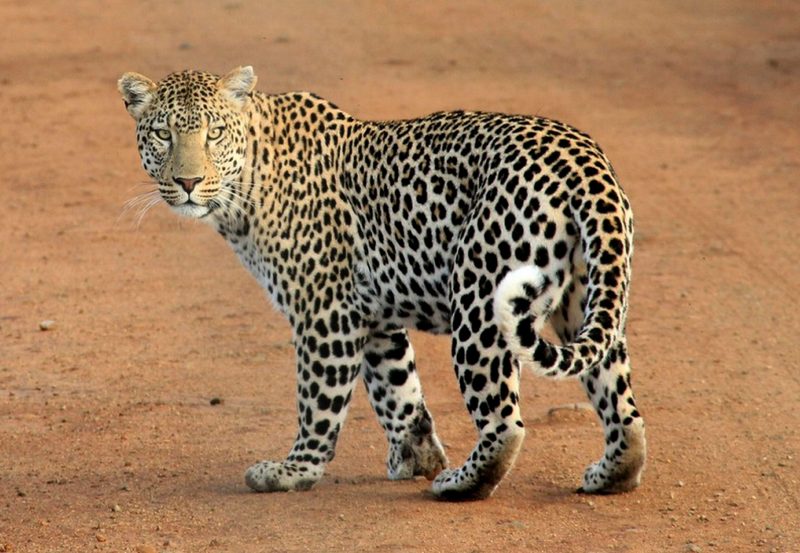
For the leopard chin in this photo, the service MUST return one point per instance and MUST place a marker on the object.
(191, 210)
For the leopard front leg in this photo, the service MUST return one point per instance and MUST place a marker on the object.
(329, 358)
(395, 393)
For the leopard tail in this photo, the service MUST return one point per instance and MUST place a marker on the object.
(525, 298)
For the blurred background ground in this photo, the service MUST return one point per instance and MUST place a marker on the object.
(108, 440)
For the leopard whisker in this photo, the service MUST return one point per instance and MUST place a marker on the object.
(150, 184)
(141, 197)
(228, 204)
(247, 202)
(147, 207)
(237, 195)
(139, 200)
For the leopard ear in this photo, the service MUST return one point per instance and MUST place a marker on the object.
(137, 93)
(237, 84)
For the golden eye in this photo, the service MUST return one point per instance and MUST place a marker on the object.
(215, 133)
(163, 134)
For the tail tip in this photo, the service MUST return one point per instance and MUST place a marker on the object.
(513, 286)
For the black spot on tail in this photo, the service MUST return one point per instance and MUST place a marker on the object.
(525, 332)
(545, 355)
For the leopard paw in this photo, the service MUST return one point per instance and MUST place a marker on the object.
(271, 476)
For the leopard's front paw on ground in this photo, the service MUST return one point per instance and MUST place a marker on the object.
(271, 476)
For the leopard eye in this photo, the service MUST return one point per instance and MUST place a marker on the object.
(215, 133)
(163, 134)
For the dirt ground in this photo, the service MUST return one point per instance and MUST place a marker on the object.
(108, 437)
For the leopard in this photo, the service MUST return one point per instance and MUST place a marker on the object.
(479, 225)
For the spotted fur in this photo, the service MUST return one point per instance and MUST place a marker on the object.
(480, 225)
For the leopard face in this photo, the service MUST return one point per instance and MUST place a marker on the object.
(191, 135)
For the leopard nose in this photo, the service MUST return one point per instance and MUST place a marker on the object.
(188, 184)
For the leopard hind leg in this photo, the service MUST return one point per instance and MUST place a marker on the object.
(608, 387)
(395, 393)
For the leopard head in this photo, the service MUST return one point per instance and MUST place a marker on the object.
(191, 133)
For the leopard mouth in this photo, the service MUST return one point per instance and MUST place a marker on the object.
(192, 209)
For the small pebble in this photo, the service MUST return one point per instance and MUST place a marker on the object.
(101, 538)
(693, 547)
(47, 325)
(145, 549)
(216, 401)
(116, 508)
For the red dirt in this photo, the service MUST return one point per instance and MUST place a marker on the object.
(108, 441)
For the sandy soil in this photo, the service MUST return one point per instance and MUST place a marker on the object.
(108, 439)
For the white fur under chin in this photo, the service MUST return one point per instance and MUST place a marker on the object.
(191, 211)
